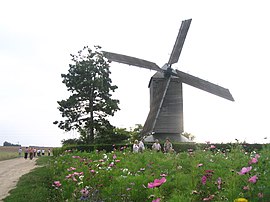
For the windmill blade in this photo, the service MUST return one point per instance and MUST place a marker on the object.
(204, 85)
(131, 61)
(179, 42)
(155, 108)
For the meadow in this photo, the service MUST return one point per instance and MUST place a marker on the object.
(207, 174)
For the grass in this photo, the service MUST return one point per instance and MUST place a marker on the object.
(34, 186)
(7, 152)
(7, 155)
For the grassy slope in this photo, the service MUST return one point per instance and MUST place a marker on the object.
(33, 187)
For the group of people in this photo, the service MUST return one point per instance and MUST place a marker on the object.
(32, 152)
(138, 146)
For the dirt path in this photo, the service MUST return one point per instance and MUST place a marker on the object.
(10, 172)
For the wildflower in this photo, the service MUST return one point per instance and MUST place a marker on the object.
(219, 182)
(157, 182)
(56, 184)
(257, 156)
(117, 160)
(76, 157)
(204, 179)
(245, 170)
(260, 195)
(253, 161)
(199, 165)
(69, 176)
(246, 188)
(156, 200)
(253, 179)
(241, 200)
(71, 168)
(209, 198)
(85, 194)
(114, 156)
(81, 177)
(163, 175)
(128, 189)
(92, 171)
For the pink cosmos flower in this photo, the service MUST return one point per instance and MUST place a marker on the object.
(157, 182)
(209, 198)
(204, 179)
(253, 179)
(156, 200)
(76, 157)
(257, 156)
(163, 175)
(246, 188)
(92, 171)
(84, 192)
(253, 161)
(114, 156)
(199, 165)
(57, 183)
(117, 160)
(69, 176)
(245, 170)
(71, 168)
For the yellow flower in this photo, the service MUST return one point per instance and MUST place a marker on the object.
(241, 200)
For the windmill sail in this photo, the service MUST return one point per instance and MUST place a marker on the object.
(131, 61)
(204, 85)
(179, 42)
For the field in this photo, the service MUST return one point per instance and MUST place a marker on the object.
(202, 175)
(8, 152)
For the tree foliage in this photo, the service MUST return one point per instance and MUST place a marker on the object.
(90, 102)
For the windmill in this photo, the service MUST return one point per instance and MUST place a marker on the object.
(165, 118)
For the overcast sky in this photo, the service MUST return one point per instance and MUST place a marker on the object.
(227, 44)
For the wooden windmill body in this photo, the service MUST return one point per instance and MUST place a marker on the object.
(165, 118)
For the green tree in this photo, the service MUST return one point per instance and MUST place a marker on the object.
(90, 102)
(135, 133)
(118, 135)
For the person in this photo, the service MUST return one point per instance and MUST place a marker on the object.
(49, 152)
(141, 146)
(35, 152)
(20, 151)
(31, 153)
(167, 146)
(136, 146)
(43, 152)
(26, 153)
(38, 152)
(156, 146)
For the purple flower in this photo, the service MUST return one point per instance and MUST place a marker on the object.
(157, 182)
(204, 179)
(245, 170)
(219, 182)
